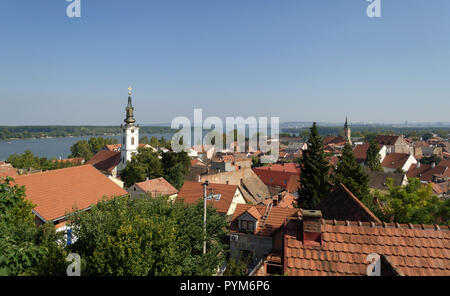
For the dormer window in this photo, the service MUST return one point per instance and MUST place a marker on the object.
(248, 221)
(247, 226)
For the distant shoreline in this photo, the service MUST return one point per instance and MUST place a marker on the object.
(53, 131)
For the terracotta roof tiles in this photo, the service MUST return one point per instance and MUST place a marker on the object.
(341, 204)
(395, 160)
(192, 192)
(422, 250)
(105, 160)
(157, 187)
(274, 221)
(56, 192)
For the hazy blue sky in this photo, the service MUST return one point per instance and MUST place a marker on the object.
(302, 60)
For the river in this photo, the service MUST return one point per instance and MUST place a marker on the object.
(52, 147)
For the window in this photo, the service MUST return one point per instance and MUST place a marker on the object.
(132, 141)
(247, 226)
(123, 140)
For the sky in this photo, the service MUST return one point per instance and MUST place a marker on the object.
(300, 60)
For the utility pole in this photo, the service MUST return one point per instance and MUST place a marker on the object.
(205, 185)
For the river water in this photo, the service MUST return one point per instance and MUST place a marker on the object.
(53, 147)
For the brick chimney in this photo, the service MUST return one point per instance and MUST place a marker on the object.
(311, 227)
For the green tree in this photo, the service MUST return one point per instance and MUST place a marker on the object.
(351, 174)
(154, 142)
(24, 161)
(24, 247)
(174, 175)
(145, 164)
(144, 140)
(414, 203)
(28, 160)
(431, 159)
(175, 166)
(237, 267)
(87, 149)
(314, 169)
(147, 236)
(373, 157)
(256, 162)
(81, 149)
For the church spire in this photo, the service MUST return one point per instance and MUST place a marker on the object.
(347, 131)
(129, 120)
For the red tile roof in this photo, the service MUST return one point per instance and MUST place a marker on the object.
(341, 204)
(293, 183)
(197, 162)
(437, 189)
(445, 162)
(105, 160)
(285, 176)
(395, 160)
(360, 152)
(55, 192)
(253, 212)
(286, 200)
(426, 172)
(274, 221)
(76, 160)
(157, 187)
(386, 139)
(113, 147)
(192, 192)
(334, 140)
(420, 251)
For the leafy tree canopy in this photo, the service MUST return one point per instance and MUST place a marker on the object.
(431, 159)
(414, 203)
(87, 149)
(148, 236)
(25, 249)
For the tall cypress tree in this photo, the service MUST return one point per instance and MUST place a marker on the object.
(373, 158)
(351, 174)
(314, 171)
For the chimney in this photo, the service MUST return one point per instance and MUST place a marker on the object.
(311, 228)
(433, 165)
(418, 164)
(146, 179)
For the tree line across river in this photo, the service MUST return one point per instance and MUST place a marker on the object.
(58, 131)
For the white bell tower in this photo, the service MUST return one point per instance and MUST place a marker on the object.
(130, 135)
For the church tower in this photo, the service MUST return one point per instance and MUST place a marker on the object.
(347, 131)
(130, 135)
